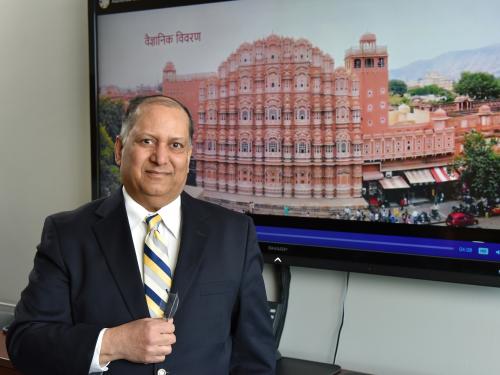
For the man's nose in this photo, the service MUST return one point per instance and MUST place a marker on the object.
(161, 155)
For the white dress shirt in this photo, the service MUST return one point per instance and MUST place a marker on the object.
(169, 228)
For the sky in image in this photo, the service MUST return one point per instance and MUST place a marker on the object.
(411, 31)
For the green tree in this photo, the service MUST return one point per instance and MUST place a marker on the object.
(110, 114)
(478, 85)
(432, 90)
(397, 87)
(479, 166)
(108, 170)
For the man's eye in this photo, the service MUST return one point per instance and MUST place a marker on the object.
(177, 145)
(147, 141)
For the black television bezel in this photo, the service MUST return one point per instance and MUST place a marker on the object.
(474, 272)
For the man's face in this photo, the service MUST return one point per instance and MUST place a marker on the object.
(154, 160)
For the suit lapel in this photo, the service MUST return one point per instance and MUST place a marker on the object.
(115, 239)
(193, 238)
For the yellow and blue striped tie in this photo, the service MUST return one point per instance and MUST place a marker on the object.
(157, 273)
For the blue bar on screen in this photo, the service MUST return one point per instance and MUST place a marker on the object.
(381, 243)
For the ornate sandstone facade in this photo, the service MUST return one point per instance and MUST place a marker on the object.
(278, 121)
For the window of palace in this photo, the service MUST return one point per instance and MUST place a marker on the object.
(302, 147)
(245, 146)
(357, 63)
(340, 84)
(329, 149)
(449, 142)
(377, 148)
(355, 88)
(317, 115)
(245, 84)
(212, 115)
(232, 88)
(287, 116)
(245, 58)
(343, 148)
(273, 81)
(356, 115)
(381, 62)
(342, 114)
(398, 147)
(245, 115)
(258, 116)
(369, 93)
(301, 82)
(418, 145)
(202, 93)
(382, 105)
(301, 114)
(367, 148)
(201, 116)
(212, 91)
(211, 145)
(223, 91)
(317, 84)
(317, 150)
(369, 108)
(369, 63)
(357, 149)
(328, 115)
(222, 116)
(199, 147)
(272, 145)
(273, 113)
(408, 145)
(382, 120)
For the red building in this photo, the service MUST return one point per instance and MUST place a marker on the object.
(278, 125)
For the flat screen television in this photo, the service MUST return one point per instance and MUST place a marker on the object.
(355, 134)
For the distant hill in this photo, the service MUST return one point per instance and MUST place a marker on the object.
(452, 64)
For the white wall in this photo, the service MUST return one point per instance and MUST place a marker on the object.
(392, 326)
(45, 132)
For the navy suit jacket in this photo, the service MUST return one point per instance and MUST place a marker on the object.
(85, 277)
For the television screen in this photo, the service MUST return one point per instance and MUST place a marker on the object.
(358, 136)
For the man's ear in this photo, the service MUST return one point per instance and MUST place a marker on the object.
(118, 150)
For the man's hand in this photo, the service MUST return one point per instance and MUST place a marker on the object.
(142, 341)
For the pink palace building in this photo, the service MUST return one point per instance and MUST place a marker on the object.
(279, 123)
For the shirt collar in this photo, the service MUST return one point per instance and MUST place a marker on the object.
(170, 214)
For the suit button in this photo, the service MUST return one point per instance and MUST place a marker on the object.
(161, 372)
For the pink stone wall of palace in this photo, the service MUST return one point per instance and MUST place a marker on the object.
(279, 120)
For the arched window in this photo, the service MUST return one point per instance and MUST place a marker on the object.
(301, 82)
(273, 113)
(302, 147)
(301, 114)
(272, 145)
(245, 114)
(357, 63)
(245, 146)
(369, 63)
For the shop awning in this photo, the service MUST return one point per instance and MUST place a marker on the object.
(395, 182)
(440, 174)
(372, 176)
(419, 177)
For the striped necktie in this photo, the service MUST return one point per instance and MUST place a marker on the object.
(157, 273)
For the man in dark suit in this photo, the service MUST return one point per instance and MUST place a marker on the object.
(84, 309)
